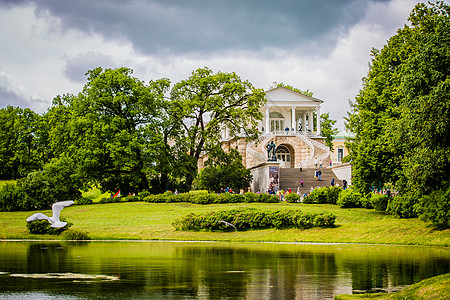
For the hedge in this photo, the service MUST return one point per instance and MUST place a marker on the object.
(251, 219)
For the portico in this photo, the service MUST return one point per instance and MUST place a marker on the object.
(290, 112)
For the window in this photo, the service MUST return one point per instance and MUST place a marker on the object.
(276, 121)
(283, 154)
(340, 154)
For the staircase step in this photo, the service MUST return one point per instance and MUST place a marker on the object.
(290, 178)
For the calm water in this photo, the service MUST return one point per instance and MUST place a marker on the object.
(172, 270)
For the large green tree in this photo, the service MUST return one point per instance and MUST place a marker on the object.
(20, 142)
(203, 104)
(111, 126)
(401, 116)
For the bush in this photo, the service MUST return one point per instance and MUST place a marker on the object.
(143, 194)
(349, 198)
(319, 195)
(251, 197)
(435, 208)
(75, 235)
(324, 220)
(44, 227)
(267, 198)
(84, 201)
(292, 198)
(251, 218)
(365, 200)
(333, 193)
(204, 199)
(131, 198)
(109, 200)
(379, 202)
(303, 220)
(401, 206)
(11, 197)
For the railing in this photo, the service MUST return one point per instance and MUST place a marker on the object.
(261, 156)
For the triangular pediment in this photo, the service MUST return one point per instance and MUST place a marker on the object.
(285, 95)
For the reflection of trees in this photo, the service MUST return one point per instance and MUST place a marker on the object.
(46, 258)
(389, 270)
(216, 271)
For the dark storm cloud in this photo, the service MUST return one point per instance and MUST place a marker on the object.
(8, 97)
(204, 26)
(76, 67)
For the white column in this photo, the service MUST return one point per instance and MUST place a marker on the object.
(319, 130)
(310, 121)
(304, 123)
(267, 129)
(293, 120)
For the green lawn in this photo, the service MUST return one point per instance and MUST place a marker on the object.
(435, 288)
(147, 221)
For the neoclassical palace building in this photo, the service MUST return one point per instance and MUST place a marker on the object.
(289, 119)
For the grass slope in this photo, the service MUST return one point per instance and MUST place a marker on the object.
(435, 288)
(150, 221)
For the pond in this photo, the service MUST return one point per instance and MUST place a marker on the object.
(209, 270)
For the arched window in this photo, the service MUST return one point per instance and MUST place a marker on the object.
(283, 153)
(276, 121)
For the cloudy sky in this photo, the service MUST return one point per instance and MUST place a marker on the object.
(48, 45)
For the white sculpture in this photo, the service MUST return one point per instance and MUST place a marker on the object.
(54, 220)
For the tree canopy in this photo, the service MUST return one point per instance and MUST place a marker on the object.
(401, 116)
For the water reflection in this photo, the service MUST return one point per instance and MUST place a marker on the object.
(165, 270)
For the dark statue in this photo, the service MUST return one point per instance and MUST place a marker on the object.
(271, 149)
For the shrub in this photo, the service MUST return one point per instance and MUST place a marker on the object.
(251, 197)
(143, 194)
(435, 207)
(292, 198)
(109, 200)
(11, 197)
(401, 206)
(379, 202)
(251, 218)
(131, 198)
(349, 198)
(319, 195)
(324, 220)
(333, 194)
(303, 220)
(267, 198)
(365, 200)
(308, 200)
(44, 227)
(75, 235)
(204, 199)
(84, 201)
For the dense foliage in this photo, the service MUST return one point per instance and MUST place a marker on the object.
(401, 116)
(251, 219)
(119, 133)
(44, 227)
(203, 197)
(223, 170)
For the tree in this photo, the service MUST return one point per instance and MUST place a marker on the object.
(112, 124)
(306, 93)
(224, 170)
(327, 129)
(19, 151)
(400, 117)
(206, 102)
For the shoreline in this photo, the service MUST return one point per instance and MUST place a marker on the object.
(221, 241)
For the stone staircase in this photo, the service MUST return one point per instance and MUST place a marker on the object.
(290, 178)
